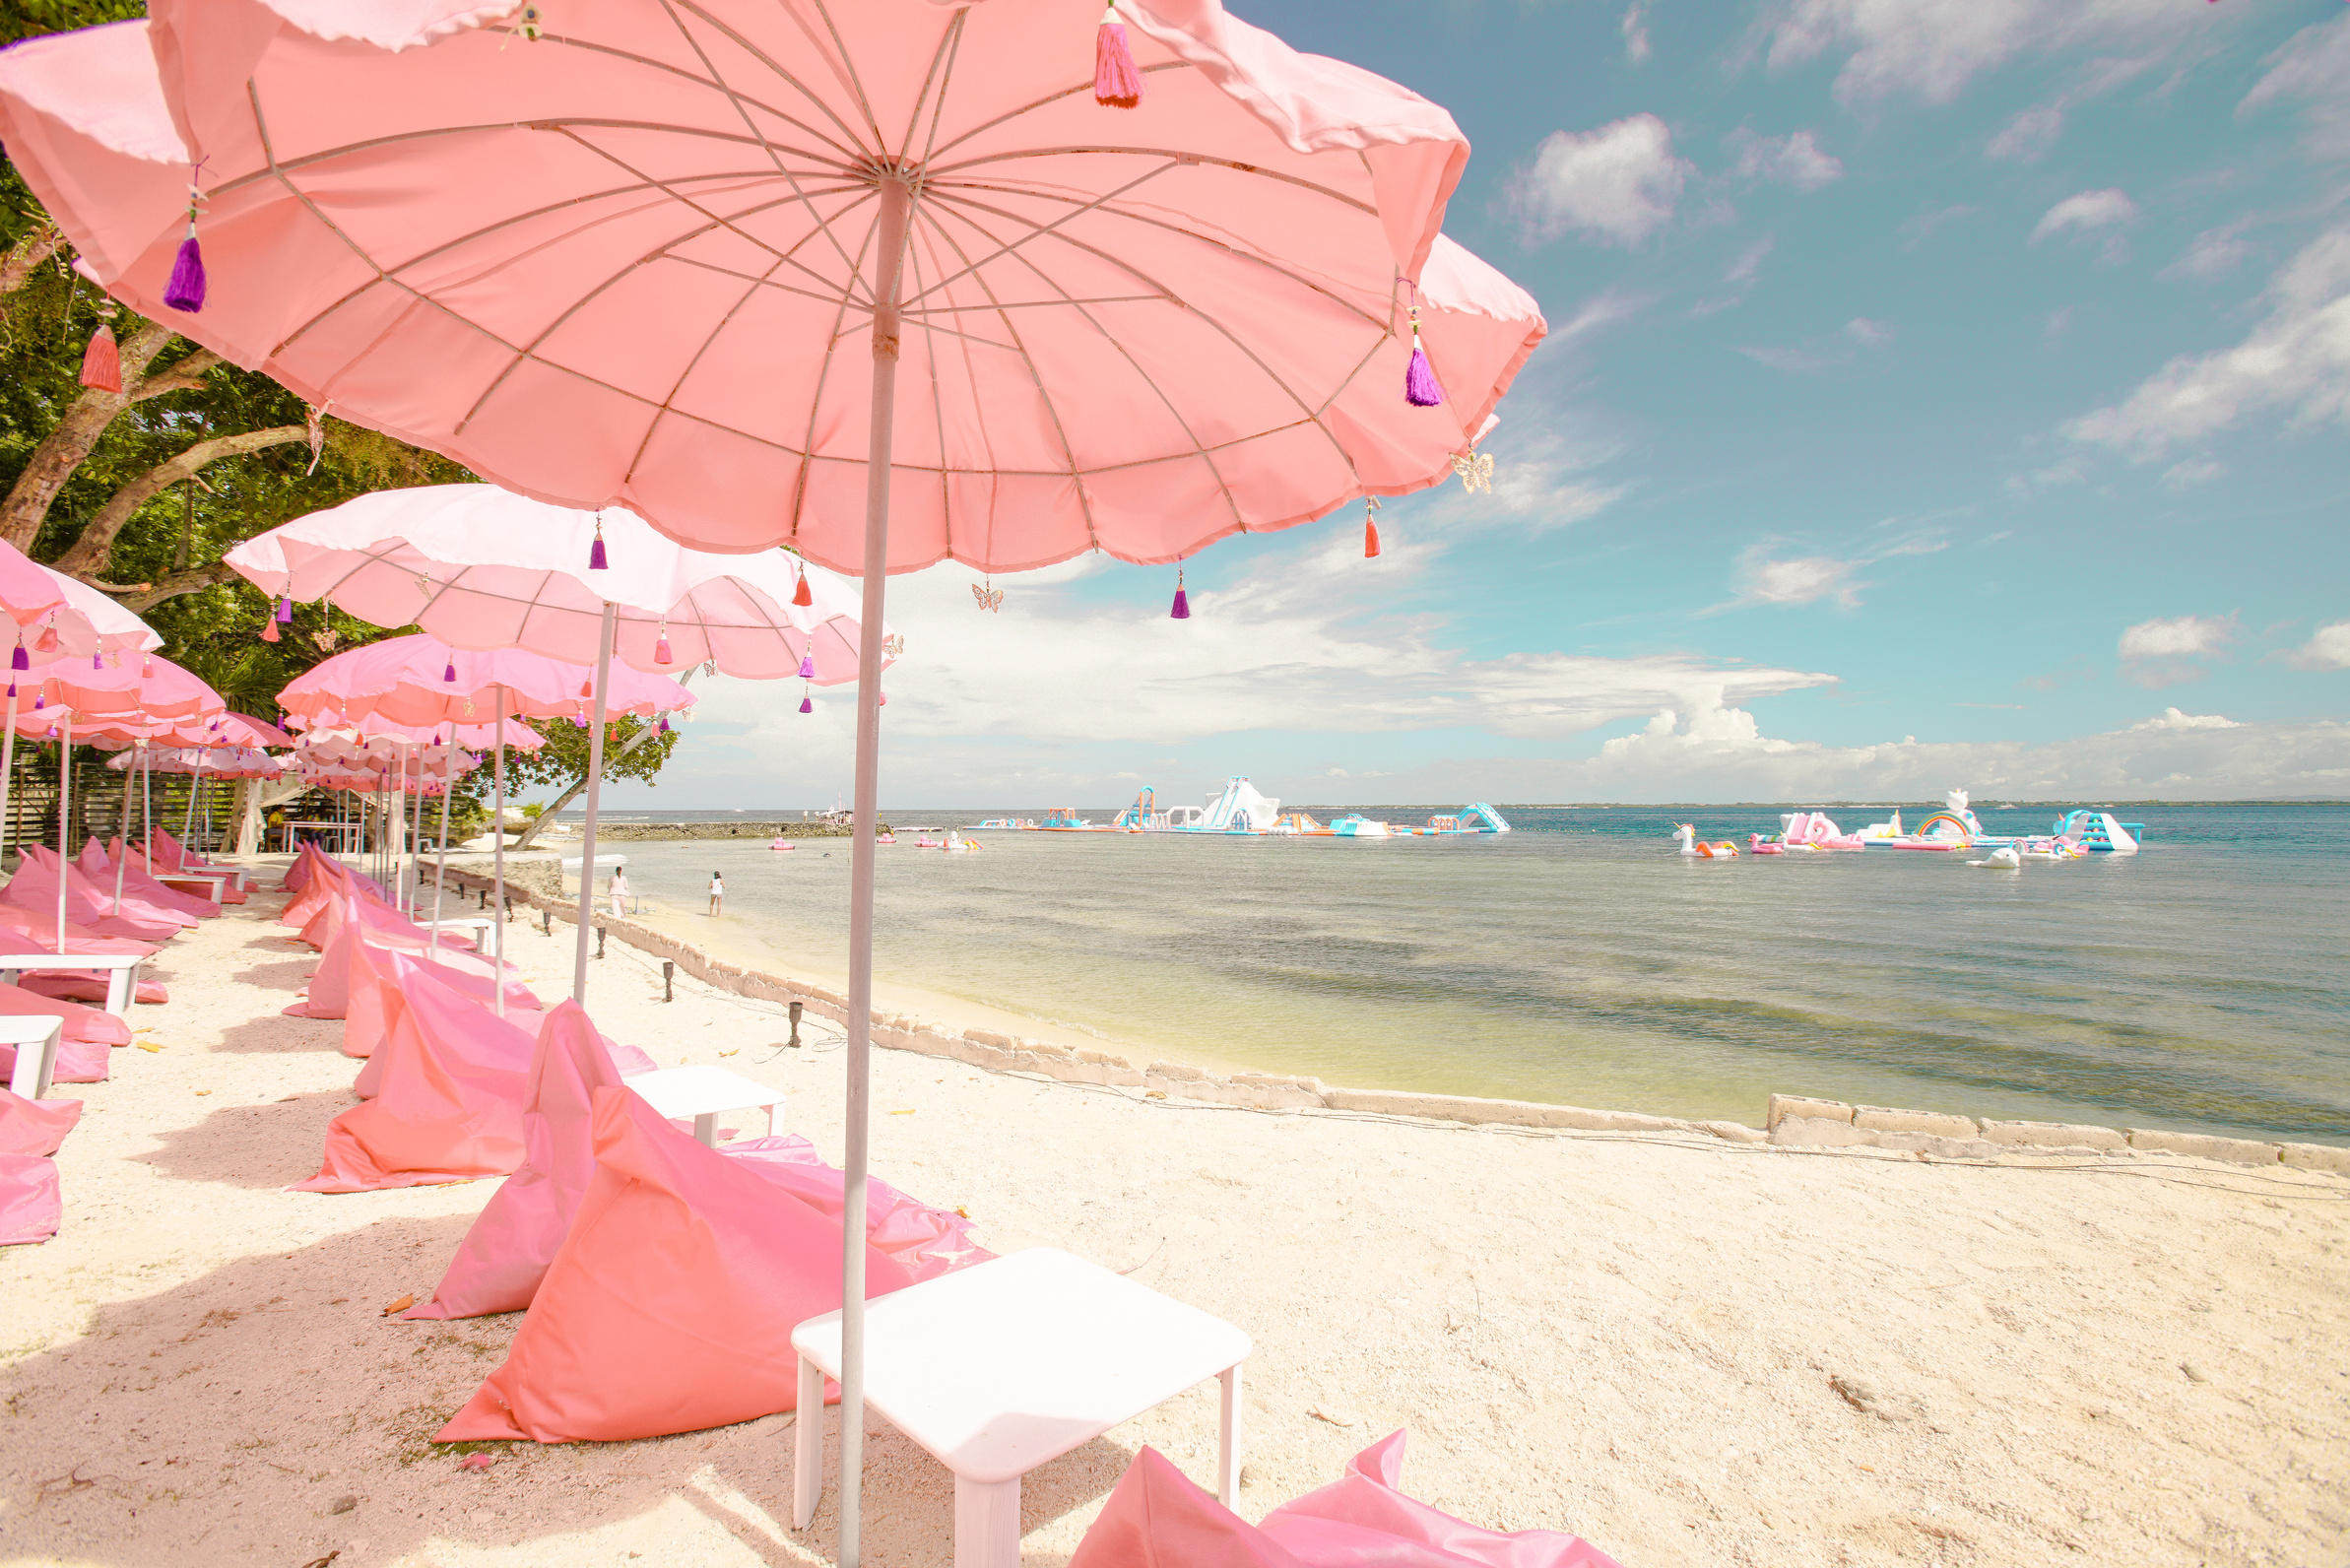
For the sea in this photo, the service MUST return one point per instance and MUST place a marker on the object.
(2200, 985)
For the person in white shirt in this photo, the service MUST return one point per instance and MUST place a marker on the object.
(619, 891)
(717, 891)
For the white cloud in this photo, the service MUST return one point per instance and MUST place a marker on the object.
(2295, 357)
(1615, 185)
(1857, 344)
(2328, 648)
(1792, 160)
(2188, 475)
(2090, 210)
(1918, 230)
(1714, 750)
(1761, 578)
(2028, 136)
(1931, 49)
(2312, 67)
(2214, 253)
(2173, 719)
(1636, 34)
(2168, 652)
(1737, 280)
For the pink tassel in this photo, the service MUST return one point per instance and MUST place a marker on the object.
(661, 654)
(101, 361)
(186, 290)
(269, 631)
(800, 596)
(882, 700)
(147, 669)
(46, 642)
(1116, 81)
(1183, 604)
(1370, 528)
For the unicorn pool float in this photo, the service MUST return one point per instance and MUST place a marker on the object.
(1685, 834)
(781, 845)
(950, 844)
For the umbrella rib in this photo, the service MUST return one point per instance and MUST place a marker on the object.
(848, 64)
(1034, 105)
(938, 407)
(1175, 413)
(775, 157)
(848, 146)
(815, 397)
(951, 193)
(942, 66)
(954, 47)
(1044, 395)
(1041, 229)
(1177, 153)
(554, 122)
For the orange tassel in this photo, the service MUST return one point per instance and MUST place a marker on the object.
(101, 361)
(1370, 539)
(801, 596)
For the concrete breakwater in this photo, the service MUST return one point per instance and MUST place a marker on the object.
(1793, 1121)
(625, 831)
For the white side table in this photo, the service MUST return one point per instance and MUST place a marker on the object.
(195, 884)
(701, 1092)
(120, 969)
(35, 1036)
(1000, 1367)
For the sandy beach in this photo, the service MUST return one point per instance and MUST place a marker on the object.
(1688, 1350)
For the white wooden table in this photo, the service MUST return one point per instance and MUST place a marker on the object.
(194, 884)
(121, 971)
(703, 1092)
(475, 927)
(35, 1036)
(997, 1368)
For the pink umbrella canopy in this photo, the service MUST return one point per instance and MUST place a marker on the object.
(138, 690)
(59, 617)
(1132, 330)
(219, 762)
(331, 724)
(480, 567)
(422, 681)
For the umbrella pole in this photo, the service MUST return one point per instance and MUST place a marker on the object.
(416, 843)
(440, 867)
(187, 820)
(498, 849)
(897, 202)
(8, 769)
(65, 795)
(595, 789)
(122, 834)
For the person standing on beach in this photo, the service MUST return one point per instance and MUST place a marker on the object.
(619, 891)
(717, 892)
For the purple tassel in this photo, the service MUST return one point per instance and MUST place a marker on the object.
(285, 611)
(806, 705)
(596, 559)
(661, 654)
(12, 688)
(1419, 377)
(450, 673)
(96, 662)
(664, 724)
(1183, 604)
(186, 290)
(807, 665)
(20, 660)
(39, 701)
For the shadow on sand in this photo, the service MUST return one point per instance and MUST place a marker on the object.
(228, 1418)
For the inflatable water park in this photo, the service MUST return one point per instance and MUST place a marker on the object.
(1241, 810)
(2075, 836)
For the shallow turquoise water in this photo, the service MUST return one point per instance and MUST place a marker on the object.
(2198, 985)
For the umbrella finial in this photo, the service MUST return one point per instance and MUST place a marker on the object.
(1116, 81)
(1370, 528)
(186, 290)
(1420, 388)
(596, 559)
(1183, 605)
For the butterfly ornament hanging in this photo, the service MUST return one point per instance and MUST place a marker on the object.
(990, 597)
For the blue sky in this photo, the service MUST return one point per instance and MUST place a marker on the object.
(1940, 392)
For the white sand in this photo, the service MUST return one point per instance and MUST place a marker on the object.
(1637, 1338)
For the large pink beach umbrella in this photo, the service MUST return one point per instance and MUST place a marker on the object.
(673, 257)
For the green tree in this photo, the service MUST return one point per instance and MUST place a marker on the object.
(633, 748)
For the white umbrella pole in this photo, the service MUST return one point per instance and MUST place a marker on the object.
(187, 820)
(122, 835)
(65, 795)
(415, 843)
(595, 789)
(440, 865)
(498, 849)
(897, 202)
(8, 769)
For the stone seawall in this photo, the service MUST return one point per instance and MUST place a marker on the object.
(617, 833)
(1792, 1121)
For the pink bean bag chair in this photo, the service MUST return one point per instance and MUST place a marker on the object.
(100, 867)
(34, 1127)
(81, 1050)
(35, 889)
(1156, 1518)
(671, 1304)
(304, 867)
(381, 976)
(498, 1266)
(39, 927)
(329, 878)
(445, 1110)
(332, 991)
(30, 1207)
(139, 862)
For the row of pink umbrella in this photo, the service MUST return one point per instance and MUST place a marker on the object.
(675, 258)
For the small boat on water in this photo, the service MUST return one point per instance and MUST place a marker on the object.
(782, 844)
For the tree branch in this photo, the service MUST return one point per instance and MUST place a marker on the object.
(650, 732)
(184, 374)
(88, 553)
(62, 450)
(16, 268)
(140, 598)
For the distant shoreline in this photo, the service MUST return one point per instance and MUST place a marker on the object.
(1985, 804)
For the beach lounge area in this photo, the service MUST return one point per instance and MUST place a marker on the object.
(1684, 1351)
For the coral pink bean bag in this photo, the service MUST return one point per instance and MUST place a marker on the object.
(30, 1207)
(34, 1127)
